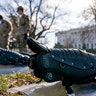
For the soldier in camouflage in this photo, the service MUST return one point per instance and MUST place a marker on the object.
(23, 29)
(5, 29)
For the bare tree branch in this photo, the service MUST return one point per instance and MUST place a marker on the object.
(52, 20)
(17, 2)
(90, 11)
(40, 20)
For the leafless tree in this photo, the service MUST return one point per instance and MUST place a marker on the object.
(93, 9)
(68, 43)
(90, 12)
(42, 15)
(86, 35)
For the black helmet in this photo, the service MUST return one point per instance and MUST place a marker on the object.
(20, 8)
(1, 17)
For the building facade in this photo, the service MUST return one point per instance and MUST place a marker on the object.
(80, 38)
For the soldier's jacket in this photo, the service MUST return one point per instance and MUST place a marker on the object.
(5, 27)
(23, 26)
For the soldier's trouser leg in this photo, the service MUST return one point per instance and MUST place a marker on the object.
(18, 41)
(5, 43)
(22, 43)
(1, 41)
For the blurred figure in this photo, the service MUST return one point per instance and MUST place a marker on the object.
(5, 29)
(23, 29)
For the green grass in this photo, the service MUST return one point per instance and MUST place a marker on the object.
(13, 80)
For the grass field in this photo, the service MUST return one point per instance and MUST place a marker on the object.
(12, 80)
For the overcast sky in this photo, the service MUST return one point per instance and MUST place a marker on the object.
(72, 18)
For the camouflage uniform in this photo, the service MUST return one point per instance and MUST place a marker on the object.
(5, 29)
(23, 29)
